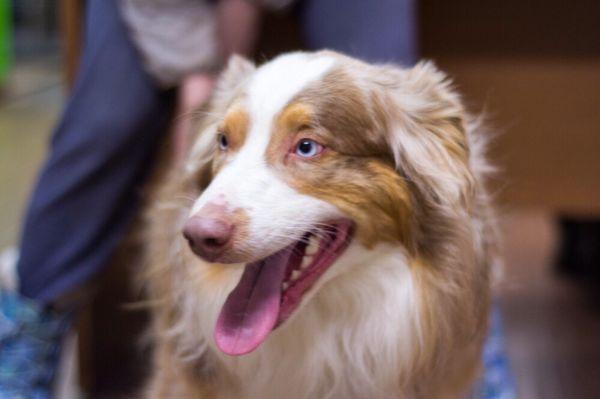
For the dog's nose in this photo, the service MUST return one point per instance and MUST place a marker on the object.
(208, 236)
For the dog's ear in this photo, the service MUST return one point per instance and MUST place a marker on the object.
(426, 131)
(237, 71)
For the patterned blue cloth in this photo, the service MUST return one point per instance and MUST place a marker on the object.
(30, 340)
(497, 381)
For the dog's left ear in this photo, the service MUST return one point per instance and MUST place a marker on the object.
(238, 70)
(426, 131)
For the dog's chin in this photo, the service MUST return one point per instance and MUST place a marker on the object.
(272, 288)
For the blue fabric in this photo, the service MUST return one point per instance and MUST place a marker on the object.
(100, 153)
(497, 381)
(375, 31)
(30, 342)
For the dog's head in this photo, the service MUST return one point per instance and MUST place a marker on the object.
(307, 155)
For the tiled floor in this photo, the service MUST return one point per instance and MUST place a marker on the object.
(553, 326)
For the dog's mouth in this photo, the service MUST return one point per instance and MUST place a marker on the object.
(272, 288)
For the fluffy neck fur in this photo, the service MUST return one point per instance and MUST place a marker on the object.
(380, 330)
(343, 343)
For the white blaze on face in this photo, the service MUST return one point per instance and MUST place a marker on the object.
(278, 215)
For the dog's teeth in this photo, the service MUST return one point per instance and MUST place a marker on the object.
(312, 247)
(305, 262)
(295, 275)
(285, 286)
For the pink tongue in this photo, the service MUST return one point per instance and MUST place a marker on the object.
(252, 308)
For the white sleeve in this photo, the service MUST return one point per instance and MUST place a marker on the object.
(174, 37)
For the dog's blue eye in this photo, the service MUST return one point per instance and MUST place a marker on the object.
(223, 142)
(308, 148)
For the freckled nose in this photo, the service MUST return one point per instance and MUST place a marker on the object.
(208, 236)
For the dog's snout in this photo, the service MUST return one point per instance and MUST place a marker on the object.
(208, 235)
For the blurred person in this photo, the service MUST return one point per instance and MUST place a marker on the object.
(144, 62)
(136, 52)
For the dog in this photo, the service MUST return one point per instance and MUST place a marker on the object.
(329, 236)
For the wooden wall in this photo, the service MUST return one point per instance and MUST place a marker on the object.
(535, 68)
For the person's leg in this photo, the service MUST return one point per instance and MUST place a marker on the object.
(83, 199)
(375, 31)
(99, 153)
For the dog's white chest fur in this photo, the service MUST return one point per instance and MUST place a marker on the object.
(345, 343)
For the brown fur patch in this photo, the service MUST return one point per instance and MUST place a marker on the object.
(341, 108)
(356, 171)
(366, 189)
(234, 127)
(297, 118)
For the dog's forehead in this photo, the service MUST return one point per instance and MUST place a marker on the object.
(278, 81)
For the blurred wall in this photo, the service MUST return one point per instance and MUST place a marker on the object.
(534, 66)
